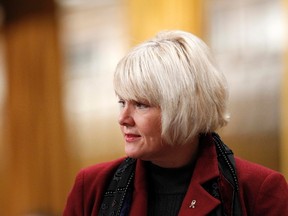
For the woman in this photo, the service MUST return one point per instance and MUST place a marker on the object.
(172, 99)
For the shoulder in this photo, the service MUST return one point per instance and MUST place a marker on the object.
(98, 171)
(101, 168)
(90, 183)
(262, 188)
(248, 171)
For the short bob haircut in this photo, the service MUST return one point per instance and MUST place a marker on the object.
(176, 72)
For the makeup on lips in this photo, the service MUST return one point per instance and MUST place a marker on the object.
(131, 137)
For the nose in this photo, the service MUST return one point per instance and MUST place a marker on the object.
(126, 116)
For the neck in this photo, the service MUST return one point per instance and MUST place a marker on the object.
(179, 155)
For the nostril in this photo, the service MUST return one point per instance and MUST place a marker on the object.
(125, 120)
(121, 121)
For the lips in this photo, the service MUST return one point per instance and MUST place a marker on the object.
(131, 137)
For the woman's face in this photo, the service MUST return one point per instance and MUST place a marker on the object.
(140, 124)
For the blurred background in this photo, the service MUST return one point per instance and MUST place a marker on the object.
(58, 111)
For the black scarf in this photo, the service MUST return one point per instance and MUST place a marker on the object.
(117, 197)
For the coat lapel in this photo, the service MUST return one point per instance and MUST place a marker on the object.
(197, 200)
(139, 203)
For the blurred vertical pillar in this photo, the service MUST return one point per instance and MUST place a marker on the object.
(147, 17)
(284, 104)
(37, 156)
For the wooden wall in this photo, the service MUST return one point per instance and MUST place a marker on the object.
(37, 169)
(284, 103)
(147, 17)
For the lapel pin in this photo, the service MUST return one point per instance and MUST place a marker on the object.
(192, 204)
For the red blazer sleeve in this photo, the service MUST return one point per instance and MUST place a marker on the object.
(74, 205)
(264, 191)
(90, 183)
(272, 198)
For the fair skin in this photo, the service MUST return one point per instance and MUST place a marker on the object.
(140, 125)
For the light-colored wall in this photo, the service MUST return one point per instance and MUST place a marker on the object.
(147, 17)
(284, 103)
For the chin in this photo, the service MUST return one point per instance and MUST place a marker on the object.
(132, 154)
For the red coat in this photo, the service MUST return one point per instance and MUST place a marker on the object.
(263, 191)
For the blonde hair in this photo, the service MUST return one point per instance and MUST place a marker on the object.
(175, 71)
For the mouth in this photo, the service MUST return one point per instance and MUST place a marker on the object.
(131, 137)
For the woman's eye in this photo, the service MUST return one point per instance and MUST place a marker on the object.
(121, 103)
(141, 105)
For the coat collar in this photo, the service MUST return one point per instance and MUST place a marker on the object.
(206, 169)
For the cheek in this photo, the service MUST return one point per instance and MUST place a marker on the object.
(153, 128)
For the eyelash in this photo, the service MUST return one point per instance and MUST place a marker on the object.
(121, 103)
(138, 105)
(141, 105)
